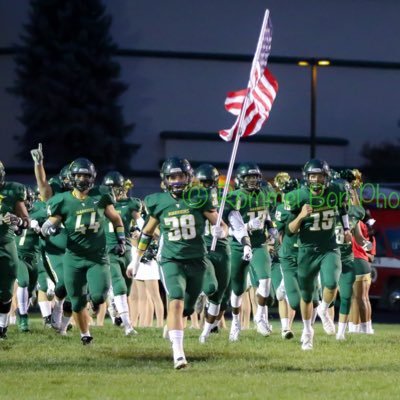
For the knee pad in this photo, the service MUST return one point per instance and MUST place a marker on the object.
(236, 301)
(281, 292)
(264, 287)
(213, 309)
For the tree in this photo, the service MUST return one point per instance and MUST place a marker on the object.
(383, 161)
(69, 85)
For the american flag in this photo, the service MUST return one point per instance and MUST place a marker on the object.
(261, 93)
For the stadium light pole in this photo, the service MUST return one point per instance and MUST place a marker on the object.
(313, 112)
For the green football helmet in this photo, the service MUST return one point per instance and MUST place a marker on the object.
(65, 177)
(116, 181)
(30, 198)
(314, 167)
(207, 175)
(2, 174)
(248, 176)
(82, 166)
(176, 165)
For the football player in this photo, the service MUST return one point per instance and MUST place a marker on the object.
(82, 211)
(314, 207)
(14, 217)
(217, 277)
(181, 214)
(253, 201)
(55, 246)
(129, 209)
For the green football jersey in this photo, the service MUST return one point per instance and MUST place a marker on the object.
(28, 242)
(251, 205)
(56, 185)
(289, 246)
(125, 208)
(356, 213)
(182, 223)
(318, 229)
(83, 219)
(222, 244)
(10, 194)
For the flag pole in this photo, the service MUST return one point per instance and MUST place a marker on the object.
(240, 127)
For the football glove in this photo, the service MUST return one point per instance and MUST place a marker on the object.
(256, 224)
(120, 248)
(247, 253)
(37, 155)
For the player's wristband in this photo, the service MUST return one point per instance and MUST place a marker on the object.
(144, 242)
(120, 232)
(345, 222)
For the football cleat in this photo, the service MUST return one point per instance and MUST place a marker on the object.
(86, 340)
(327, 323)
(203, 338)
(47, 321)
(23, 323)
(117, 321)
(3, 333)
(234, 332)
(131, 332)
(340, 336)
(307, 340)
(263, 327)
(180, 363)
(287, 334)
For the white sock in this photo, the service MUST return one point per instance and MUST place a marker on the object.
(266, 314)
(64, 324)
(341, 328)
(259, 313)
(324, 306)
(285, 324)
(3, 320)
(207, 328)
(176, 338)
(121, 304)
(369, 327)
(351, 327)
(57, 311)
(215, 323)
(363, 327)
(85, 334)
(23, 300)
(45, 308)
(307, 325)
(12, 320)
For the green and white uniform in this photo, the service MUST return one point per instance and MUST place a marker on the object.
(183, 253)
(318, 250)
(121, 284)
(250, 205)
(86, 260)
(10, 194)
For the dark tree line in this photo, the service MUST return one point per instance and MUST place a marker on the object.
(69, 85)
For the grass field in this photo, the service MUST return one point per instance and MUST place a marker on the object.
(43, 365)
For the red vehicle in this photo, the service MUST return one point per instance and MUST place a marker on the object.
(385, 287)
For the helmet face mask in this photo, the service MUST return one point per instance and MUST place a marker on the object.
(30, 198)
(83, 174)
(207, 175)
(176, 174)
(248, 176)
(65, 178)
(316, 174)
(116, 182)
